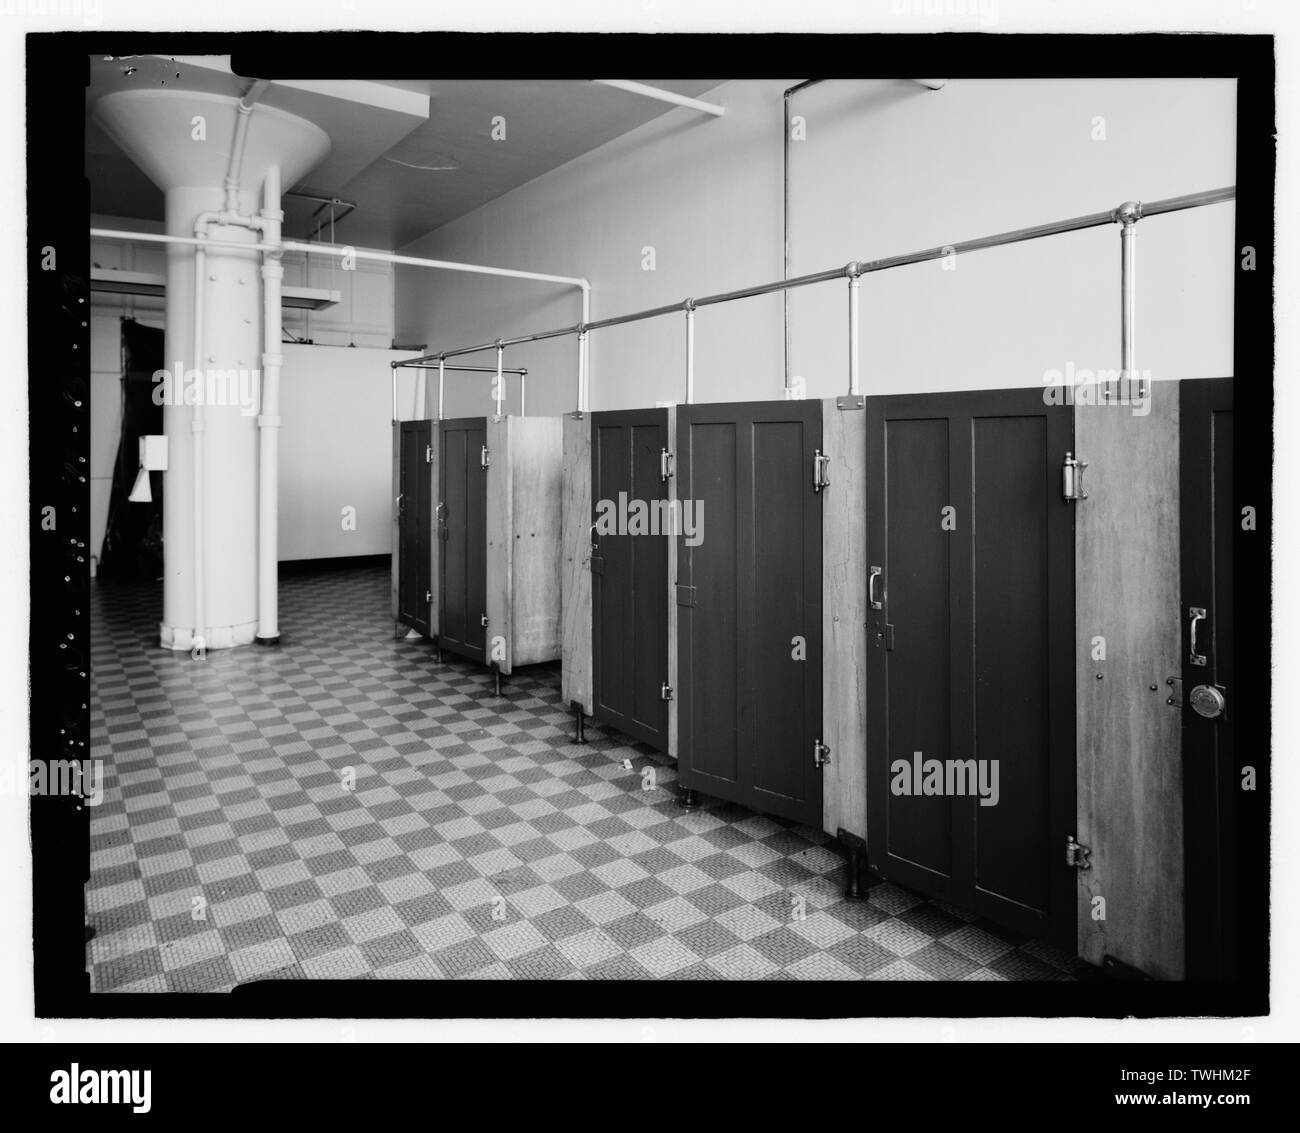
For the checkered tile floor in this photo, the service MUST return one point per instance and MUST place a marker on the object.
(344, 807)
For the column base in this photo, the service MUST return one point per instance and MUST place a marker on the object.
(181, 638)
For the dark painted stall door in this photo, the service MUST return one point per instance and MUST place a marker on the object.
(629, 577)
(1212, 792)
(970, 553)
(462, 531)
(749, 606)
(413, 511)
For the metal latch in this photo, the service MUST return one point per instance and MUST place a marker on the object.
(821, 471)
(1072, 478)
(428, 454)
(1077, 855)
(665, 691)
(483, 620)
(665, 464)
(484, 458)
(821, 754)
(428, 597)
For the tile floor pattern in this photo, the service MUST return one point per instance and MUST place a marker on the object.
(476, 841)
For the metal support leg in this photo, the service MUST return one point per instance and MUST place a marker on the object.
(437, 650)
(496, 681)
(579, 723)
(689, 799)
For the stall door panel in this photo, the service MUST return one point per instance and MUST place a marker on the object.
(909, 640)
(1212, 790)
(750, 707)
(630, 576)
(463, 571)
(1022, 592)
(413, 579)
(708, 625)
(785, 566)
(970, 660)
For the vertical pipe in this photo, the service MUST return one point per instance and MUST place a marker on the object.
(1129, 214)
(523, 392)
(584, 362)
(421, 394)
(785, 253)
(395, 412)
(854, 389)
(580, 407)
(442, 374)
(501, 382)
(196, 428)
(268, 421)
(690, 352)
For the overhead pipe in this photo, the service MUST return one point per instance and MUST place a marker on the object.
(268, 420)
(1013, 236)
(423, 364)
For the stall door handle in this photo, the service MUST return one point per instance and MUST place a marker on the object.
(1195, 615)
(876, 603)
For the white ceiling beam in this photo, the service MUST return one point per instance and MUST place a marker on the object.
(664, 96)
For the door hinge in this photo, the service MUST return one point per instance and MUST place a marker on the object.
(485, 458)
(483, 620)
(428, 597)
(821, 471)
(665, 464)
(665, 691)
(1175, 696)
(1076, 854)
(1072, 478)
(821, 754)
(685, 595)
(428, 454)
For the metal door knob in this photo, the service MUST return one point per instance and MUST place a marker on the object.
(1207, 701)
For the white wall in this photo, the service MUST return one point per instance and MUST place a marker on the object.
(364, 316)
(336, 449)
(887, 167)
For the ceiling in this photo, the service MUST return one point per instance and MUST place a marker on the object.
(407, 174)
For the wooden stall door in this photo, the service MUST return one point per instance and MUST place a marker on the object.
(970, 653)
(1211, 778)
(462, 530)
(749, 606)
(629, 575)
(413, 510)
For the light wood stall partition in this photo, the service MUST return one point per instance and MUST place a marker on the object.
(524, 491)
(844, 617)
(1129, 777)
(575, 659)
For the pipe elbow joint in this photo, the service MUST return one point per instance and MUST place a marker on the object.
(1129, 213)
